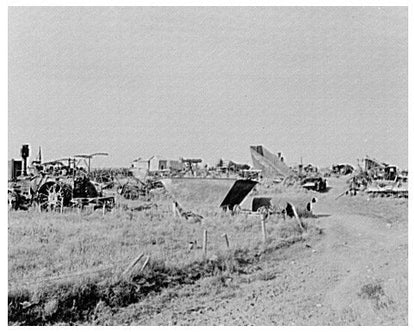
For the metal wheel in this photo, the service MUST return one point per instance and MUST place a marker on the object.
(263, 211)
(53, 196)
(50, 198)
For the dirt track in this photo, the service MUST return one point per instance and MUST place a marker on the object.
(354, 274)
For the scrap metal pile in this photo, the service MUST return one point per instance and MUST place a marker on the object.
(378, 179)
(66, 182)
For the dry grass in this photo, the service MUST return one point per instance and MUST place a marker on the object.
(46, 250)
(46, 245)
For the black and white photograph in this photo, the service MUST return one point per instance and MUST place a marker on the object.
(207, 165)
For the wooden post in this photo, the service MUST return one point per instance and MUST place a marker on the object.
(145, 263)
(297, 217)
(133, 263)
(204, 244)
(62, 205)
(104, 209)
(226, 240)
(174, 209)
(263, 227)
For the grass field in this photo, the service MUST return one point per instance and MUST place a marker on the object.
(347, 267)
(51, 253)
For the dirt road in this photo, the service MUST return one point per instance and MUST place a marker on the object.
(354, 274)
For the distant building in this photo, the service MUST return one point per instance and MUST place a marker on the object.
(175, 165)
(157, 163)
(141, 167)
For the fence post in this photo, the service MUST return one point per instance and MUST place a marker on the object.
(204, 244)
(263, 227)
(226, 240)
(174, 209)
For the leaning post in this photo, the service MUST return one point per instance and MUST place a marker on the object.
(226, 240)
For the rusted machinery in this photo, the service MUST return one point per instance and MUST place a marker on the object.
(51, 193)
(51, 186)
(377, 180)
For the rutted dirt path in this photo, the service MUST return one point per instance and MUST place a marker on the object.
(355, 274)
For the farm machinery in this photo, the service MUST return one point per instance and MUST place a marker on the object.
(378, 179)
(54, 185)
(53, 193)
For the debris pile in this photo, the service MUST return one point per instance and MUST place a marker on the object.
(70, 182)
(378, 179)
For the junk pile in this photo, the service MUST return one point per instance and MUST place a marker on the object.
(378, 179)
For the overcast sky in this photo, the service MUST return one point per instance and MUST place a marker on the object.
(326, 84)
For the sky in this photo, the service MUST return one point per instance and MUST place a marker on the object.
(325, 84)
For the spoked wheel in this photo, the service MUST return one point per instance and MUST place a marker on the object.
(264, 211)
(53, 196)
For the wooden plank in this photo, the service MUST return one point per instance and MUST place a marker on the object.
(132, 264)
